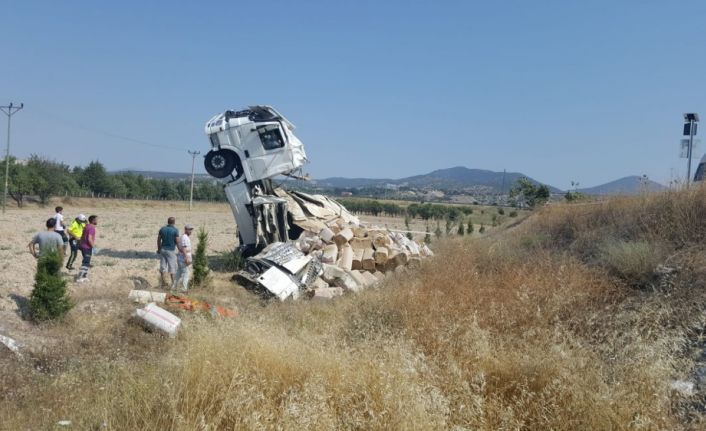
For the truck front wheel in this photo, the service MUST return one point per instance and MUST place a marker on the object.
(220, 163)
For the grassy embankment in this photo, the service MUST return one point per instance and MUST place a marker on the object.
(562, 323)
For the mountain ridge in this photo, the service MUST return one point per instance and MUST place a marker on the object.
(454, 179)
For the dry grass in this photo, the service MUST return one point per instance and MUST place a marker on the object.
(530, 330)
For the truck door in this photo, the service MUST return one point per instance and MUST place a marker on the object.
(270, 152)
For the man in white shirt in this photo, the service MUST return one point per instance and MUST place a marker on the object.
(59, 227)
(184, 259)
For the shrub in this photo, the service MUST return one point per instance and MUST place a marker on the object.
(201, 270)
(49, 299)
(461, 230)
(501, 211)
(232, 261)
(513, 213)
(633, 261)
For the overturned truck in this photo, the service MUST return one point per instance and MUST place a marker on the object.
(294, 242)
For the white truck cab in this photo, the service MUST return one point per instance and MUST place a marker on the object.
(257, 142)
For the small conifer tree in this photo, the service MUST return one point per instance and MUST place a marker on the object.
(461, 230)
(49, 299)
(427, 236)
(481, 229)
(448, 226)
(201, 270)
(438, 232)
(469, 228)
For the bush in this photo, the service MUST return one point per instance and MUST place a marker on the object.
(49, 299)
(201, 270)
(633, 261)
(513, 214)
(501, 211)
(232, 261)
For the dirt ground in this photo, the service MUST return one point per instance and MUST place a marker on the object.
(126, 239)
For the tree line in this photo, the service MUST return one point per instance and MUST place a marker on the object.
(44, 178)
(425, 211)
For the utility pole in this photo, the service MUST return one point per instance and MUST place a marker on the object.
(193, 161)
(690, 120)
(8, 110)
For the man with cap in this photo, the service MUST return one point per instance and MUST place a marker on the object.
(75, 231)
(184, 259)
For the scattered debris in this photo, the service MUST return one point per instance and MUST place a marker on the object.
(196, 305)
(11, 344)
(158, 318)
(145, 296)
(683, 387)
(325, 293)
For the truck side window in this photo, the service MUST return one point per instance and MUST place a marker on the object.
(270, 136)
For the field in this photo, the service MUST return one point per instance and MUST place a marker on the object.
(582, 317)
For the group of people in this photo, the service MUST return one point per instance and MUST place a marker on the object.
(174, 255)
(174, 250)
(81, 236)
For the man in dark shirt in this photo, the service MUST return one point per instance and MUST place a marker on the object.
(88, 241)
(167, 245)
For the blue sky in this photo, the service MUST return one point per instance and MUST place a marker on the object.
(561, 91)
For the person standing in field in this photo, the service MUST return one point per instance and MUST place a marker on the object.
(184, 259)
(60, 226)
(167, 244)
(88, 241)
(75, 232)
(47, 240)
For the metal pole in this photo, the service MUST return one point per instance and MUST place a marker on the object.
(691, 144)
(7, 164)
(193, 161)
(9, 111)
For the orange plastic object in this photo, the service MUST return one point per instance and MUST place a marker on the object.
(188, 304)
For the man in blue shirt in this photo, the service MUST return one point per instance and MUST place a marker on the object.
(167, 245)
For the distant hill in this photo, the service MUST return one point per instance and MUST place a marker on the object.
(624, 186)
(459, 178)
(456, 178)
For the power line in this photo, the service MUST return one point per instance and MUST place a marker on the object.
(70, 123)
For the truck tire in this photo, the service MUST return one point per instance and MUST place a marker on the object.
(220, 163)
